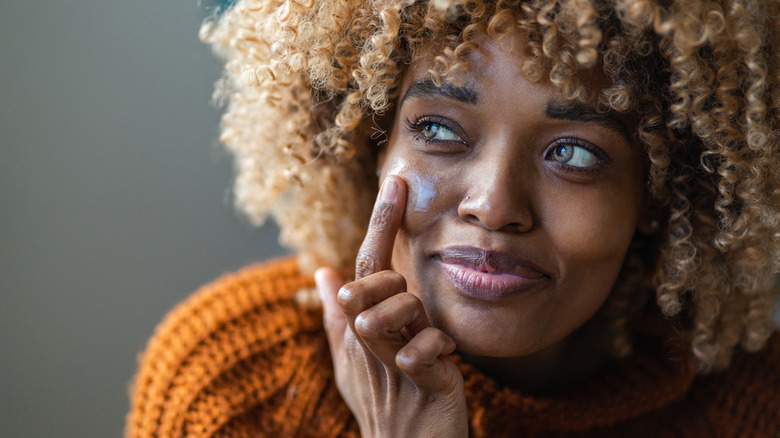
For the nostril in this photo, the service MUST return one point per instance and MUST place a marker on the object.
(518, 227)
(496, 214)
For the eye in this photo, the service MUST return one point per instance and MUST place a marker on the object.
(573, 153)
(433, 131)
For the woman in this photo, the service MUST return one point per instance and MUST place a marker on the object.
(576, 230)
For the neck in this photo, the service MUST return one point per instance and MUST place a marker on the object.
(553, 370)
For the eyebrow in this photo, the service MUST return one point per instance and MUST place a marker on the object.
(555, 110)
(428, 88)
(583, 113)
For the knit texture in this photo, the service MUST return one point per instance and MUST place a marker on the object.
(240, 358)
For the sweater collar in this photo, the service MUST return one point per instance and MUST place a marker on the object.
(659, 372)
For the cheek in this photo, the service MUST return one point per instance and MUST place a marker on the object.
(593, 226)
(429, 198)
(423, 191)
(426, 199)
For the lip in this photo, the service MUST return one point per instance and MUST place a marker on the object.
(488, 275)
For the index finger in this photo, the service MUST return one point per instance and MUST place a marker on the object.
(377, 248)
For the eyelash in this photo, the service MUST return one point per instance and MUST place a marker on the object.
(420, 122)
(602, 157)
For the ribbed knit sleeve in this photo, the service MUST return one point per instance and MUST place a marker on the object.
(240, 358)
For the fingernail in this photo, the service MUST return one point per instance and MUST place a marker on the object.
(389, 190)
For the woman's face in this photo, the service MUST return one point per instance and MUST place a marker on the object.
(521, 205)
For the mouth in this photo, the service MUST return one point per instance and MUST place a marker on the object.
(488, 275)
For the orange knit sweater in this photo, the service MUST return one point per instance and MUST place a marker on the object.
(241, 359)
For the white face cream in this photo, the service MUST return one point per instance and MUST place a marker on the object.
(422, 188)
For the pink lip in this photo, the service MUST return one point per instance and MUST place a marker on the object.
(488, 275)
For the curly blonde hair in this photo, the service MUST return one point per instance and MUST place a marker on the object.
(306, 80)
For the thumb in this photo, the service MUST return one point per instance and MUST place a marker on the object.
(328, 284)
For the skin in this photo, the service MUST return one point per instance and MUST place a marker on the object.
(482, 165)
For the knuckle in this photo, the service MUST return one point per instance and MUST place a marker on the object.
(347, 299)
(398, 280)
(389, 280)
(409, 301)
(366, 325)
(411, 305)
(412, 361)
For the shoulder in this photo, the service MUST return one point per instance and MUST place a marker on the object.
(741, 401)
(228, 359)
(744, 400)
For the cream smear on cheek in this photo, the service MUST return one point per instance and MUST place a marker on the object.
(422, 188)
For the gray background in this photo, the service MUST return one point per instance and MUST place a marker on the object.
(114, 201)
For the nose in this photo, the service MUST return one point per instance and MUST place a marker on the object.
(499, 198)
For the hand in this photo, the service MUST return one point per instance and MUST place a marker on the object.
(390, 364)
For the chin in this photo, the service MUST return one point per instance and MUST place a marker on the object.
(489, 330)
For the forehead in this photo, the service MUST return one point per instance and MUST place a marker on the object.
(493, 81)
(495, 69)
(493, 60)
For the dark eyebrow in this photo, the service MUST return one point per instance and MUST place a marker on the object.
(583, 113)
(428, 88)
